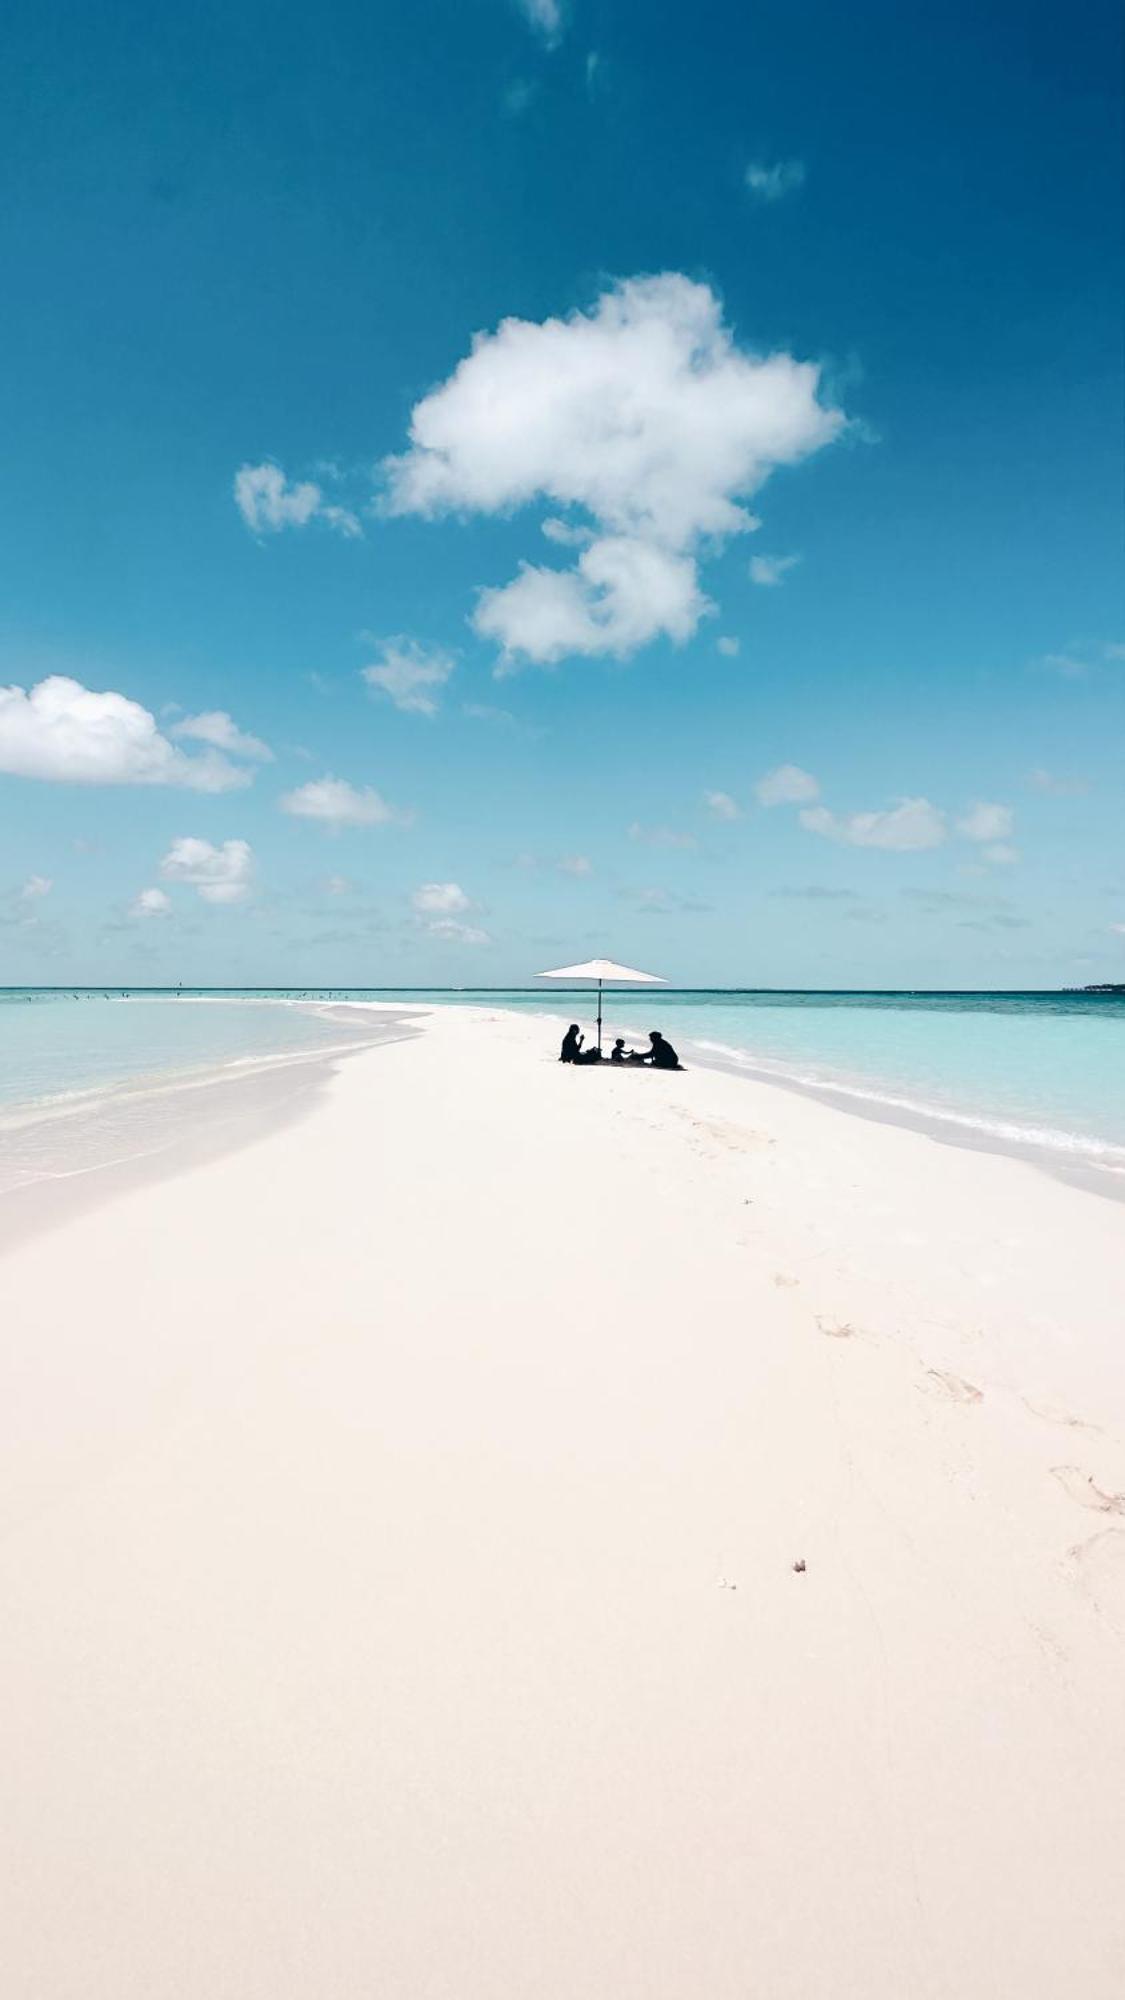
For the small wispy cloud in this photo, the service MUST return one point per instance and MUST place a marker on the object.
(409, 675)
(218, 729)
(991, 827)
(35, 888)
(772, 181)
(788, 785)
(441, 907)
(1080, 661)
(661, 836)
(720, 805)
(218, 874)
(727, 646)
(1056, 787)
(987, 822)
(520, 96)
(545, 17)
(268, 502)
(908, 825)
(440, 899)
(660, 902)
(151, 903)
(769, 571)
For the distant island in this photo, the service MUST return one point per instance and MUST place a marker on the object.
(1102, 989)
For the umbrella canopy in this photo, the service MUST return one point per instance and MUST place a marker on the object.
(602, 969)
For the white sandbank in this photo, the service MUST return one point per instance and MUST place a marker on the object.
(398, 1574)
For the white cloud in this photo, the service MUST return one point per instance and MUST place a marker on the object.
(1119, 928)
(771, 183)
(1054, 787)
(336, 885)
(36, 887)
(567, 533)
(623, 594)
(216, 727)
(787, 786)
(407, 672)
(441, 906)
(661, 836)
(644, 413)
(545, 16)
(458, 933)
(440, 899)
(1001, 855)
(65, 733)
(336, 803)
(904, 827)
(520, 96)
(220, 874)
(769, 570)
(268, 503)
(987, 822)
(728, 647)
(575, 864)
(721, 806)
(151, 903)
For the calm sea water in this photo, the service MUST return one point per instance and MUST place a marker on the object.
(1043, 1068)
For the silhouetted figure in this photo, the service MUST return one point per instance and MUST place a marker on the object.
(661, 1055)
(571, 1050)
(617, 1053)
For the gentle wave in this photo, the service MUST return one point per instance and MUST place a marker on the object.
(1074, 1143)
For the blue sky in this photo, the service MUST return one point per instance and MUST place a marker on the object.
(800, 328)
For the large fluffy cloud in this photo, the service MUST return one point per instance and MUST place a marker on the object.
(644, 414)
(62, 731)
(622, 594)
(219, 874)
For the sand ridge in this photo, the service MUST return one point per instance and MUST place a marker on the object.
(525, 1532)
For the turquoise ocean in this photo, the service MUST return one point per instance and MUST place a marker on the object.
(1045, 1070)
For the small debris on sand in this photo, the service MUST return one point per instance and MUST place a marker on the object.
(799, 1565)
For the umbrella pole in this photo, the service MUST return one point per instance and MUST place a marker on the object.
(599, 1017)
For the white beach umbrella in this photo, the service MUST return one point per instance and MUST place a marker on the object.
(602, 969)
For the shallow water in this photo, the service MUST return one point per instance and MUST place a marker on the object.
(1046, 1069)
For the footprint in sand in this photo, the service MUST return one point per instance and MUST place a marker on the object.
(1052, 1413)
(1097, 1566)
(954, 1387)
(1081, 1487)
(836, 1329)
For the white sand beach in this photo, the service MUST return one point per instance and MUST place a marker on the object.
(511, 1531)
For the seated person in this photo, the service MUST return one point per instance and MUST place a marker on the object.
(661, 1055)
(572, 1044)
(617, 1053)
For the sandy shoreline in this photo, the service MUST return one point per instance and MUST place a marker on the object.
(401, 1514)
